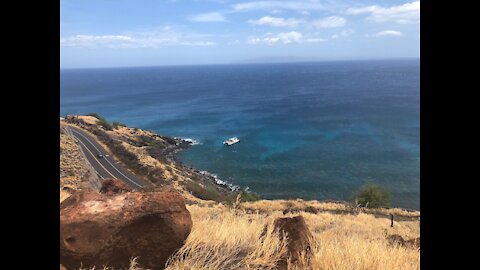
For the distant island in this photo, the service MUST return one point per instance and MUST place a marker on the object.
(299, 59)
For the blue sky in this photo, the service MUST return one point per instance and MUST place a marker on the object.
(109, 33)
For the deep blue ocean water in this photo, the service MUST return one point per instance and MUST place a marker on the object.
(308, 130)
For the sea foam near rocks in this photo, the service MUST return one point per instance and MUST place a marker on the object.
(221, 182)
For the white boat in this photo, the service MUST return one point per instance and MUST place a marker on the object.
(231, 141)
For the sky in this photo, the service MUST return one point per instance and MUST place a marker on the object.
(120, 33)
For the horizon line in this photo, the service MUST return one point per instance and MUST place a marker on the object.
(251, 62)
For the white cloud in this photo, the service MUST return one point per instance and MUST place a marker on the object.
(92, 41)
(275, 21)
(198, 43)
(284, 38)
(408, 13)
(269, 5)
(150, 39)
(208, 17)
(330, 22)
(310, 40)
(391, 33)
(344, 33)
(276, 11)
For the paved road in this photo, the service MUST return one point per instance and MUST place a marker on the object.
(105, 166)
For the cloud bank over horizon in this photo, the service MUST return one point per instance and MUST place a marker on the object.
(206, 31)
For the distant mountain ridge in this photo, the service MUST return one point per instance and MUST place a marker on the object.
(281, 59)
(299, 59)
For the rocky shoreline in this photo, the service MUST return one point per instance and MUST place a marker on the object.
(201, 173)
(168, 153)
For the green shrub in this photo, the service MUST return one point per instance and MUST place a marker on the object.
(96, 115)
(204, 193)
(101, 121)
(249, 196)
(118, 124)
(373, 196)
(104, 124)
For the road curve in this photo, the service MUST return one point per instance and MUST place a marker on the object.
(105, 166)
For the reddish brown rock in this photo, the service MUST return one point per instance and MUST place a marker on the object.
(398, 240)
(98, 229)
(299, 241)
(114, 186)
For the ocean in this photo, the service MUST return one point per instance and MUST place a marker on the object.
(316, 130)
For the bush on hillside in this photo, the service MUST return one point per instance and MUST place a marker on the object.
(127, 157)
(204, 193)
(96, 115)
(104, 123)
(101, 121)
(116, 124)
(249, 196)
(372, 196)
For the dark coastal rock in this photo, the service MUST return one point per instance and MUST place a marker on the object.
(108, 229)
(299, 241)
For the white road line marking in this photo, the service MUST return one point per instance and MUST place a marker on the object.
(78, 141)
(108, 160)
(98, 162)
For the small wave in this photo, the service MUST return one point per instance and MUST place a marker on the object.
(191, 141)
(221, 182)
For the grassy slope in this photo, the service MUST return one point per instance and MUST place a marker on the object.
(74, 170)
(344, 241)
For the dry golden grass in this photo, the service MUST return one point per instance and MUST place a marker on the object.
(73, 169)
(75, 172)
(133, 266)
(223, 238)
(280, 205)
(145, 159)
(89, 119)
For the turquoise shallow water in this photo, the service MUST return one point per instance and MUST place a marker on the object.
(308, 130)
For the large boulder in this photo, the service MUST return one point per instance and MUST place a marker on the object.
(113, 186)
(108, 229)
(299, 241)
